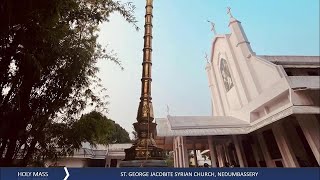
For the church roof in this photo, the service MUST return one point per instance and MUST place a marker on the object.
(200, 125)
(292, 60)
(164, 129)
(218, 125)
(204, 122)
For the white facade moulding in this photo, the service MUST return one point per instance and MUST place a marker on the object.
(304, 82)
(297, 61)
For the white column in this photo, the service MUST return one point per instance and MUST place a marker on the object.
(310, 128)
(180, 152)
(174, 153)
(225, 152)
(284, 145)
(220, 155)
(238, 150)
(264, 150)
(212, 155)
(177, 152)
(184, 152)
(214, 144)
(181, 156)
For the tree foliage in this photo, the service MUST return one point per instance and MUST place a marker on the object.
(48, 55)
(98, 129)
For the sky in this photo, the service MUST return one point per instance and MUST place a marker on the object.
(182, 36)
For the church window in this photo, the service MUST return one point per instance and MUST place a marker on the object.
(226, 75)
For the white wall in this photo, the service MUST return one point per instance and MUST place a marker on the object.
(257, 82)
(69, 162)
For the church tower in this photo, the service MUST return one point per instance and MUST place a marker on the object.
(239, 36)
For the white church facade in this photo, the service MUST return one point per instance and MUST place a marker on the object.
(265, 110)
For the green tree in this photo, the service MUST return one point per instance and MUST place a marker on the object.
(93, 128)
(98, 129)
(48, 55)
(120, 135)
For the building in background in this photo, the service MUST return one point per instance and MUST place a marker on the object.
(89, 156)
(101, 155)
(265, 110)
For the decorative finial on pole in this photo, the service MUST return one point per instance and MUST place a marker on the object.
(229, 12)
(213, 29)
(207, 58)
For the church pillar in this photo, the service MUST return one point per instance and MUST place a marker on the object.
(284, 145)
(238, 150)
(214, 144)
(174, 154)
(180, 152)
(220, 155)
(310, 128)
(264, 149)
(185, 152)
(226, 153)
(175, 159)
(212, 154)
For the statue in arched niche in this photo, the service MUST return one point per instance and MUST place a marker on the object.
(226, 75)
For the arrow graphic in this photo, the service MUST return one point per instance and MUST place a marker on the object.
(67, 173)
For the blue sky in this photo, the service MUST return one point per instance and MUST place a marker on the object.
(182, 36)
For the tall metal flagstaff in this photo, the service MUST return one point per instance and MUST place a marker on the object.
(145, 149)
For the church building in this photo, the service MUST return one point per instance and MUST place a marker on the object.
(265, 110)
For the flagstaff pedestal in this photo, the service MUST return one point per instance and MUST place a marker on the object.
(142, 156)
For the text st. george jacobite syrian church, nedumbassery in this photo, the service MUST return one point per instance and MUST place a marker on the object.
(265, 110)
(265, 113)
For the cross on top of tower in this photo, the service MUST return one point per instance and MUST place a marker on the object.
(213, 29)
(229, 12)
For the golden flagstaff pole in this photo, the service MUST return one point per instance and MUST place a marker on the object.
(144, 152)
